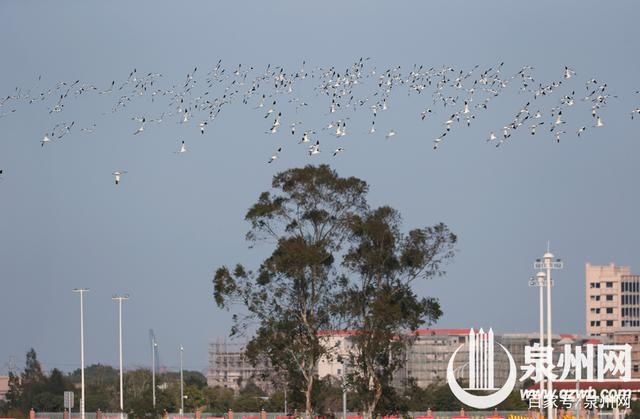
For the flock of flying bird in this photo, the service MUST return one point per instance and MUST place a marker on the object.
(278, 97)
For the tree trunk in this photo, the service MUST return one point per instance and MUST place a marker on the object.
(307, 396)
(371, 406)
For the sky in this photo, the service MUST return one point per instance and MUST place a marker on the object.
(161, 233)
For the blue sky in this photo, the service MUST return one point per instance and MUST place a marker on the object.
(160, 235)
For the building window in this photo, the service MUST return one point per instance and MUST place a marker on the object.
(609, 297)
(609, 284)
(609, 310)
(635, 368)
(609, 322)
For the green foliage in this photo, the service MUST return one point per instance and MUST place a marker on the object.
(311, 283)
(380, 303)
(33, 389)
(291, 296)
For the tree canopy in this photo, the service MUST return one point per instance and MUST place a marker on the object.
(335, 263)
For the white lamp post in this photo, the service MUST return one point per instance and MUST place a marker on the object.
(547, 263)
(154, 346)
(81, 291)
(181, 383)
(120, 298)
(539, 281)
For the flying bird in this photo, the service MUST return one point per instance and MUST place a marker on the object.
(183, 148)
(275, 155)
(118, 174)
(45, 140)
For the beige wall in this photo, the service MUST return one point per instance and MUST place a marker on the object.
(602, 281)
(4, 386)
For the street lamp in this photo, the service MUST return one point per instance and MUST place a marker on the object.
(81, 291)
(120, 298)
(154, 348)
(547, 263)
(538, 281)
(181, 383)
(344, 390)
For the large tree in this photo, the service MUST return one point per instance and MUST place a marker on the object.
(290, 297)
(379, 302)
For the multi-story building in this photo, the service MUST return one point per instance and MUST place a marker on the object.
(230, 368)
(340, 347)
(425, 360)
(612, 299)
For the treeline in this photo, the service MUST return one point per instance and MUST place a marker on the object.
(32, 388)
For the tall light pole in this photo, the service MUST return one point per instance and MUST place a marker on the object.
(547, 263)
(154, 346)
(539, 281)
(181, 383)
(81, 291)
(120, 298)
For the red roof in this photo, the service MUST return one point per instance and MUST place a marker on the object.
(442, 331)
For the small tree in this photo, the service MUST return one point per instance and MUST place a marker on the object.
(290, 297)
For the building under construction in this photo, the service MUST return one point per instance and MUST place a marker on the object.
(230, 368)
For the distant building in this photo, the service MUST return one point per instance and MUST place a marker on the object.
(426, 360)
(4, 386)
(340, 344)
(630, 336)
(612, 299)
(230, 368)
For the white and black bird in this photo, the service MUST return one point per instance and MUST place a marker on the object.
(373, 127)
(141, 128)
(45, 140)
(305, 137)
(183, 148)
(117, 175)
(338, 151)
(275, 155)
(568, 73)
(599, 122)
(581, 130)
(390, 134)
(314, 148)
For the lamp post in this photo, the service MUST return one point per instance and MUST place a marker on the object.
(344, 391)
(539, 281)
(120, 298)
(547, 263)
(181, 383)
(285, 398)
(81, 291)
(154, 346)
